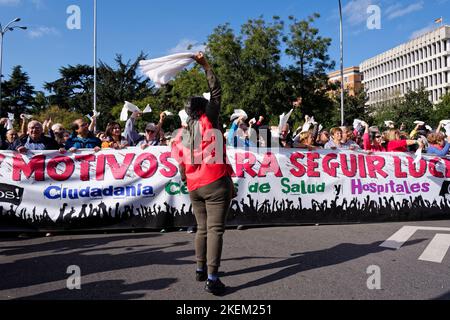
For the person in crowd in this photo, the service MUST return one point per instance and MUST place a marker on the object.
(66, 136)
(336, 139)
(396, 144)
(3, 130)
(322, 139)
(286, 140)
(238, 136)
(154, 135)
(419, 130)
(35, 140)
(56, 132)
(305, 140)
(254, 131)
(130, 132)
(373, 139)
(264, 137)
(347, 139)
(102, 136)
(23, 126)
(437, 144)
(402, 127)
(210, 185)
(12, 139)
(114, 138)
(82, 138)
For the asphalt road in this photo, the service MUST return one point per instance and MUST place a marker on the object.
(281, 263)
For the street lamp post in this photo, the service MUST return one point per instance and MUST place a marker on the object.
(3, 31)
(342, 64)
(95, 56)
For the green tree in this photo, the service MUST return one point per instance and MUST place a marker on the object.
(441, 110)
(115, 84)
(74, 90)
(248, 66)
(118, 84)
(59, 115)
(414, 106)
(18, 92)
(308, 75)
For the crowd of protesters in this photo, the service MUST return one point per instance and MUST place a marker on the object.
(241, 133)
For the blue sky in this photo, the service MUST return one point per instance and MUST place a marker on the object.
(161, 27)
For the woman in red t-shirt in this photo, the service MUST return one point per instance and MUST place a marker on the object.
(374, 145)
(396, 144)
(201, 152)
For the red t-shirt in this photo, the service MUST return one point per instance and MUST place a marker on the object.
(207, 169)
(397, 146)
(370, 147)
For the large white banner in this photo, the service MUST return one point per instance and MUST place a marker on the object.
(136, 188)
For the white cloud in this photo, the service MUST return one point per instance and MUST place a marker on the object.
(38, 3)
(187, 45)
(355, 11)
(14, 3)
(422, 31)
(11, 3)
(397, 10)
(39, 32)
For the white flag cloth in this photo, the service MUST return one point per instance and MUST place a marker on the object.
(207, 96)
(309, 122)
(26, 116)
(389, 123)
(447, 129)
(275, 132)
(418, 156)
(420, 123)
(238, 113)
(445, 122)
(419, 152)
(94, 114)
(10, 123)
(147, 109)
(168, 113)
(128, 107)
(429, 128)
(284, 118)
(320, 128)
(357, 124)
(163, 69)
(183, 117)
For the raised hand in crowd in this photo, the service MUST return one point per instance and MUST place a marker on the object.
(241, 120)
(136, 115)
(201, 60)
(93, 124)
(23, 126)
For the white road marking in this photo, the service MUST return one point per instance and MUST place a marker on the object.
(405, 233)
(437, 249)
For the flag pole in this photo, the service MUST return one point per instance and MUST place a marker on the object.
(95, 58)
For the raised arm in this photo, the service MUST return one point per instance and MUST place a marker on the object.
(213, 108)
(93, 124)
